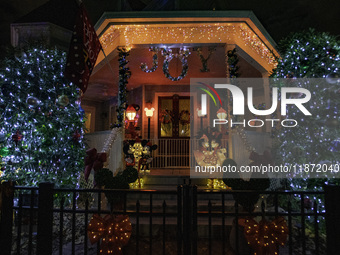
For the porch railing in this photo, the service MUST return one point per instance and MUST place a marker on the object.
(177, 153)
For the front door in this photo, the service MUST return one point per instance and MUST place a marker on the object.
(174, 117)
(174, 131)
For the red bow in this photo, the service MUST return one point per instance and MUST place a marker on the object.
(93, 160)
(115, 231)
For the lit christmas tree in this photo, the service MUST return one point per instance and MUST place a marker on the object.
(41, 121)
(315, 140)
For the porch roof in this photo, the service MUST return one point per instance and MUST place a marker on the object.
(180, 29)
(241, 28)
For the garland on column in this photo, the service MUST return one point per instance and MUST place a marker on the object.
(168, 56)
(154, 67)
(205, 60)
(232, 63)
(124, 75)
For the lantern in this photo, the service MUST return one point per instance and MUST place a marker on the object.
(131, 113)
(222, 114)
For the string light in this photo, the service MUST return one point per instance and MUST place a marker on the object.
(181, 34)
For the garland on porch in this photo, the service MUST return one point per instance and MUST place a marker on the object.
(168, 56)
(232, 63)
(124, 75)
(205, 60)
(154, 67)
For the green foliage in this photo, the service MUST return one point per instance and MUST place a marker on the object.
(310, 54)
(43, 147)
(124, 75)
(246, 200)
(104, 178)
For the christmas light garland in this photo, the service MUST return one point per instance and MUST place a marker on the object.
(154, 67)
(221, 33)
(232, 60)
(204, 61)
(124, 75)
(168, 56)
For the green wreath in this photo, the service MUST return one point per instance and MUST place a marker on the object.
(168, 56)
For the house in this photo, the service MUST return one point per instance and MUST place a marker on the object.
(166, 50)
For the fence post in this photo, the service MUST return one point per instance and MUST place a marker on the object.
(45, 219)
(179, 219)
(187, 217)
(332, 206)
(6, 223)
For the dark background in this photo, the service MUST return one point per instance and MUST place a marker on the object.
(278, 17)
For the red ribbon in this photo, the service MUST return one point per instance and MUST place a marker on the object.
(93, 160)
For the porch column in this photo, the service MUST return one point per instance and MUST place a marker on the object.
(228, 106)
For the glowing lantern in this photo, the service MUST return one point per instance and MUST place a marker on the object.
(222, 114)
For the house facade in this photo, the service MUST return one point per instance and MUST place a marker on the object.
(166, 50)
(162, 82)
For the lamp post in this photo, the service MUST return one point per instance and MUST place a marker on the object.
(200, 115)
(149, 113)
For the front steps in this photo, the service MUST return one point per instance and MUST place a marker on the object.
(170, 178)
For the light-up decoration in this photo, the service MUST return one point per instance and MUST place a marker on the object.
(182, 56)
(222, 114)
(149, 113)
(113, 231)
(131, 113)
(139, 184)
(217, 184)
(265, 236)
(154, 67)
(149, 110)
(131, 117)
(199, 113)
(181, 33)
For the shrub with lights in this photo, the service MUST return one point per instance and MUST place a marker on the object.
(315, 139)
(41, 121)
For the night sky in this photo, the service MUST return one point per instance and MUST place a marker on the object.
(278, 17)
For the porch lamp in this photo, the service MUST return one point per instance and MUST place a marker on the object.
(131, 113)
(222, 114)
(131, 118)
(149, 113)
(200, 115)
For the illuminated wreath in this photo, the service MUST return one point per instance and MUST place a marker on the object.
(184, 117)
(168, 56)
(154, 67)
(166, 116)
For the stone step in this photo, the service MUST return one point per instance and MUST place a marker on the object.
(172, 195)
(167, 180)
(171, 205)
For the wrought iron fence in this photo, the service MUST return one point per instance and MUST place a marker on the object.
(187, 220)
